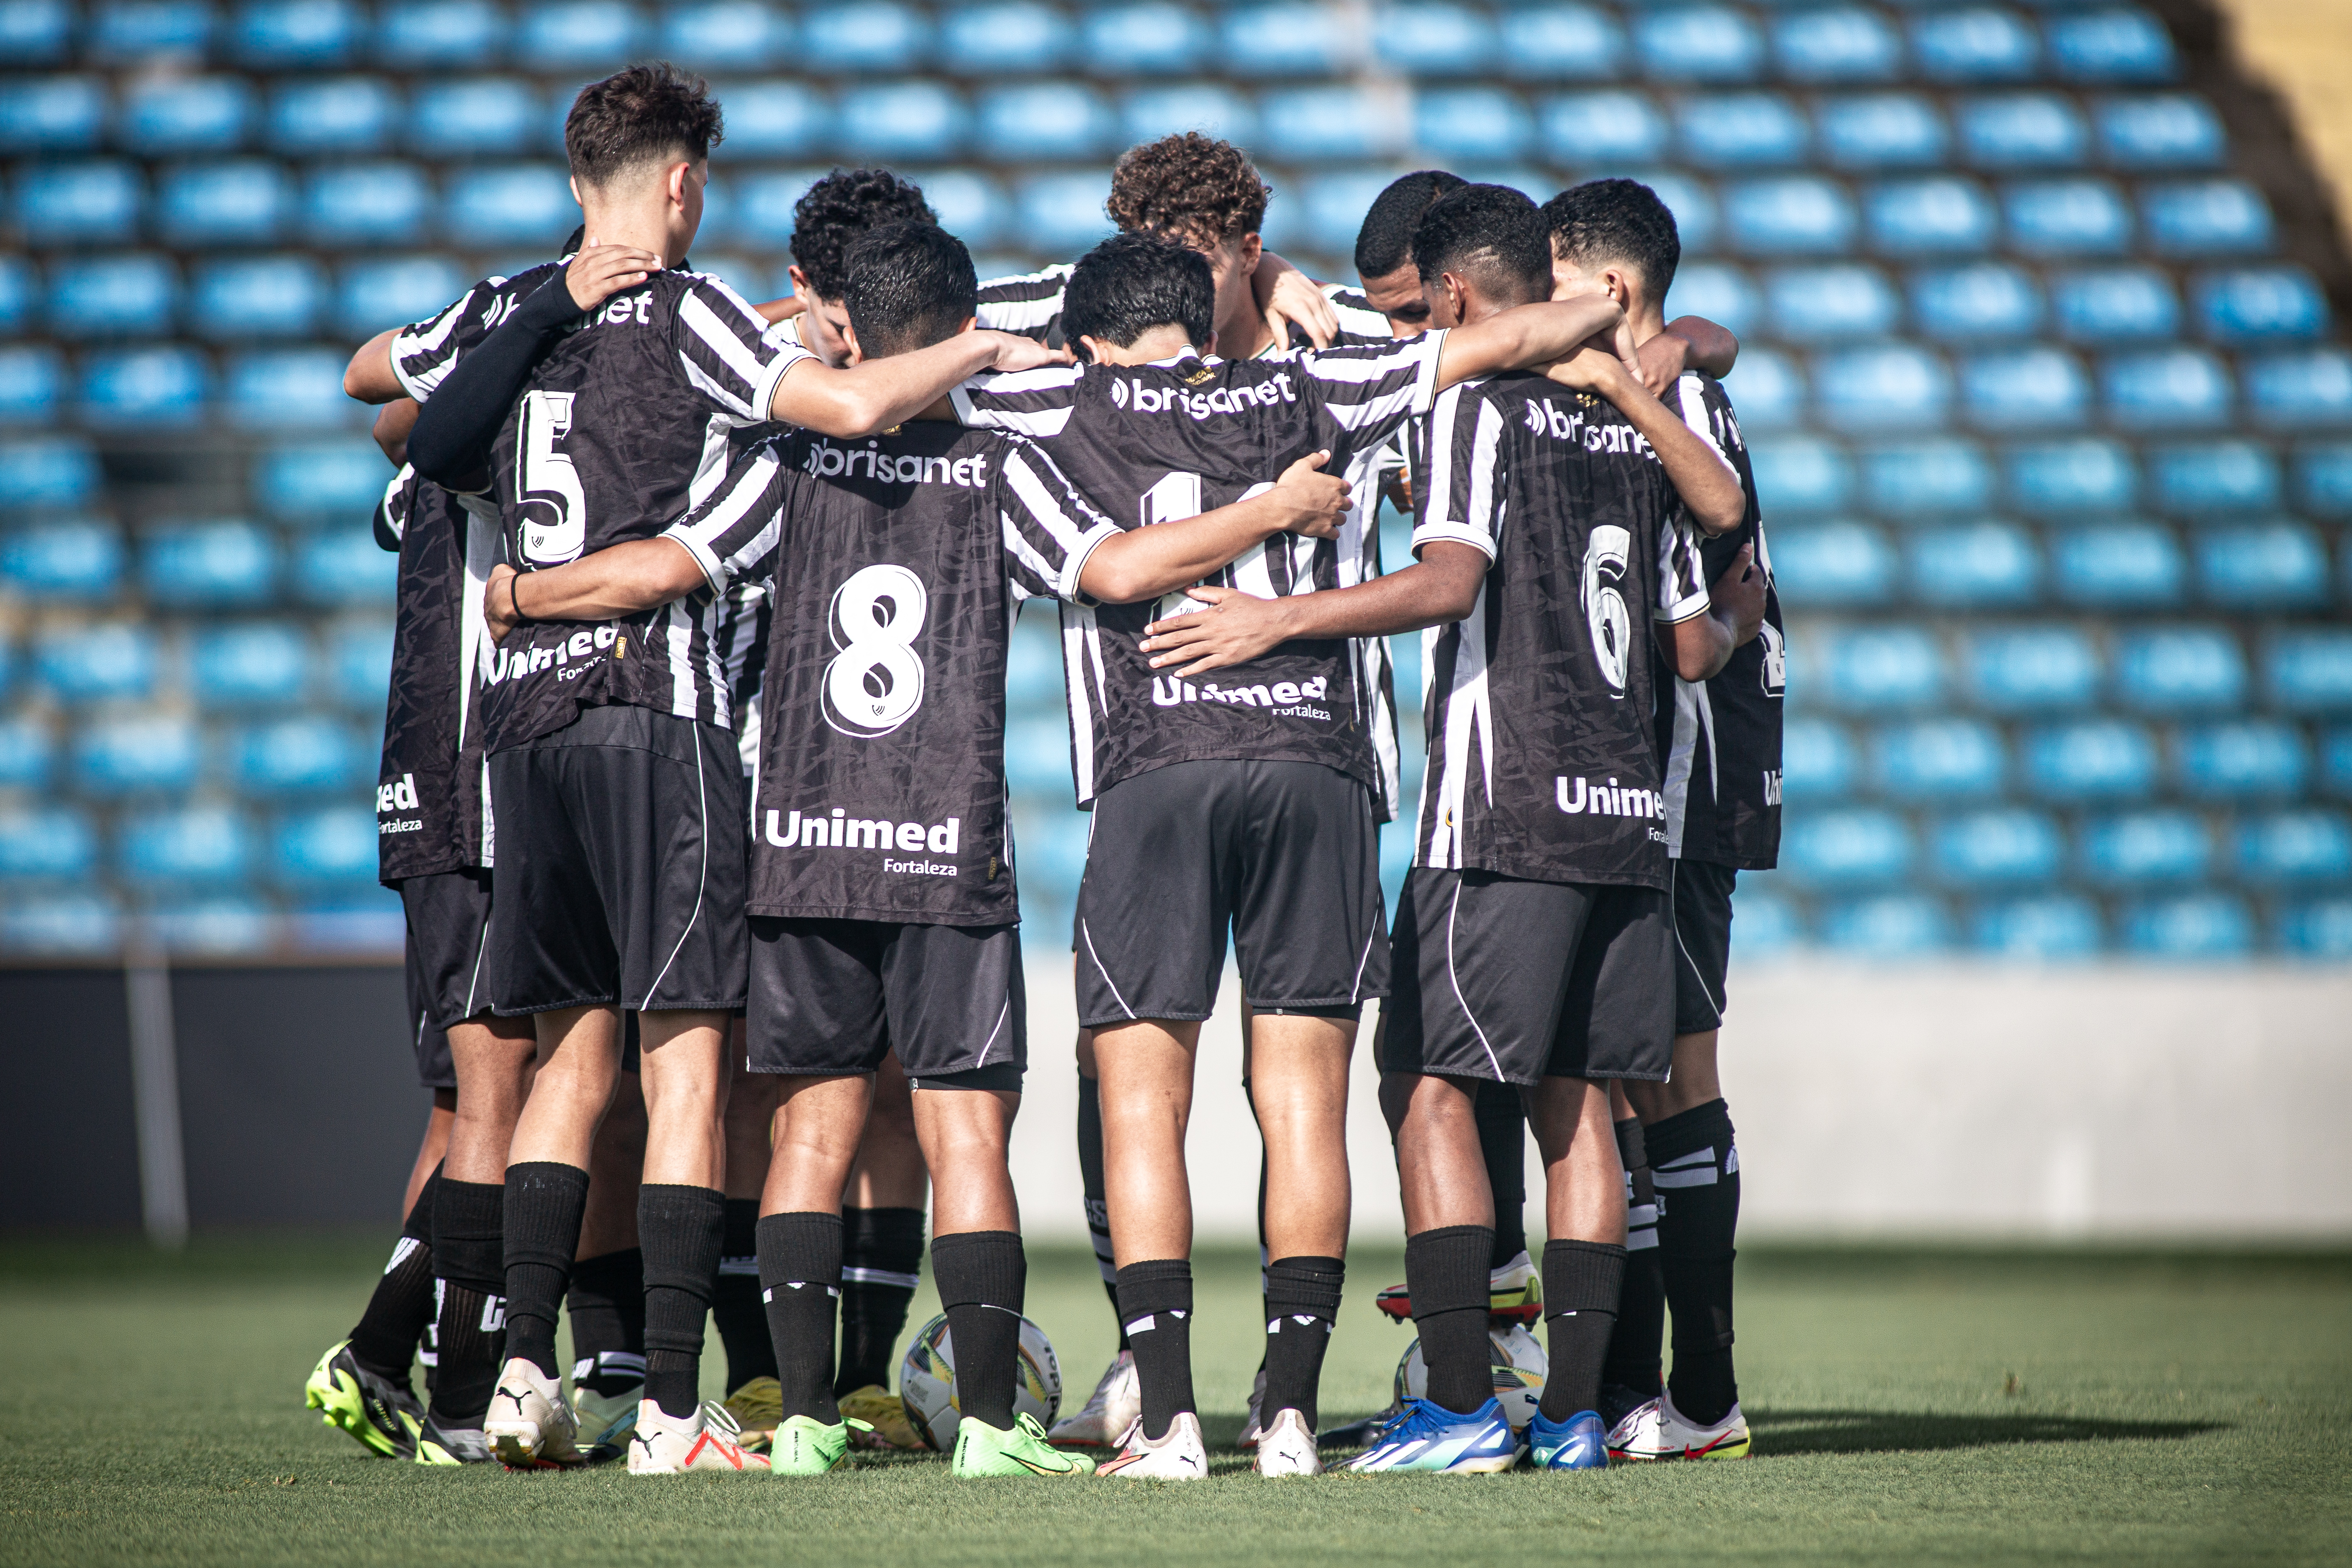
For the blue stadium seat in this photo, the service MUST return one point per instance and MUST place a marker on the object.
(136, 29)
(32, 378)
(208, 564)
(36, 32)
(2309, 671)
(2191, 925)
(1818, 760)
(1318, 124)
(2117, 566)
(1838, 44)
(471, 117)
(870, 35)
(1003, 39)
(1980, 300)
(295, 35)
(1420, 38)
(359, 665)
(1724, 294)
(731, 35)
(342, 479)
(26, 752)
(1698, 43)
(2033, 669)
(289, 389)
(2079, 476)
(1602, 128)
(359, 204)
(371, 295)
(1690, 201)
(135, 294)
(2172, 131)
(1063, 214)
(1147, 39)
(2301, 387)
(64, 559)
(1893, 925)
(1037, 757)
(901, 120)
(2043, 926)
(2266, 304)
(2180, 669)
(1834, 301)
(1742, 129)
(2304, 846)
(764, 203)
(2165, 388)
(511, 204)
(64, 924)
(1847, 846)
(214, 924)
(1939, 759)
(1769, 925)
(355, 916)
(1044, 120)
(238, 203)
(1881, 668)
(2205, 218)
(305, 754)
(88, 203)
(1942, 215)
(333, 844)
(578, 34)
(1212, 109)
(249, 664)
(47, 471)
(199, 844)
(19, 294)
(2271, 565)
(136, 755)
(151, 386)
(774, 119)
(1982, 44)
(2318, 927)
(1941, 473)
(1985, 565)
(2023, 131)
(1560, 43)
(343, 567)
(186, 114)
(1802, 473)
(467, 33)
(1279, 40)
(2067, 218)
(971, 206)
(1471, 123)
(2113, 304)
(2002, 846)
(1771, 394)
(1880, 131)
(2323, 480)
(2240, 759)
(51, 114)
(2028, 388)
(1793, 215)
(2120, 44)
(1839, 561)
(1883, 386)
(2146, 849)
(2215, 476)
(260, 297)
(333, 114)
(2091, 759)
(45, 841)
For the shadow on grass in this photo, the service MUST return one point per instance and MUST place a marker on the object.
(1786, 1432)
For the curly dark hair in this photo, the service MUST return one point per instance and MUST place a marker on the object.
(639, 115)
(1189, 186)
(846, 203)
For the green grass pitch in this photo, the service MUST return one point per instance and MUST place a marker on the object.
(1908, 1408)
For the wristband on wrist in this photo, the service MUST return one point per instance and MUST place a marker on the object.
(514, 600)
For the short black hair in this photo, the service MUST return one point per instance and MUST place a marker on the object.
(1621, 221)
(1133, 282)
(1492, 234)
(911, 285)
(1385, 242)
(644, 114)
(834, 211)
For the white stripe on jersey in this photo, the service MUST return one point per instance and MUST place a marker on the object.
(1074, 537)
(1692, 394)
(1025, 314)
(1044, 422)
(748, 400)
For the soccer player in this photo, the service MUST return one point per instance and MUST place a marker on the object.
(1721, 741)
(1533, 939)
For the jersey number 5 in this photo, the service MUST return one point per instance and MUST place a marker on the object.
(546, 487)
(875, 682)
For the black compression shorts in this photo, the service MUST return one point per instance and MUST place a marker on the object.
(835, 996)
(1702, 943)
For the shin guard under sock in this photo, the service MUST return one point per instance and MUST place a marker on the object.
(1445, 1272)
(983, 1279)
(469, 1259)
(1090, 1175)
(679, 1231)
(606, 1304)
(1302, 1302)
(384, 1338)
(881, 1265)
(1580, 1279)
(800, 1283)
(735, 1301)
(1502, 1120)
(1155, 1299)
(1696, 1161)
(1633, 1361)
(545, 1201)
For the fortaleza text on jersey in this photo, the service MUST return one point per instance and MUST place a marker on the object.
(839, 830)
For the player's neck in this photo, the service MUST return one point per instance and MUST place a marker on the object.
(1649, 321)
(644, 225)
(1245, 332)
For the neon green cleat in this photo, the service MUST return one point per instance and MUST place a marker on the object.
(1018, 1450)
(803, 1446)
(383, 1417)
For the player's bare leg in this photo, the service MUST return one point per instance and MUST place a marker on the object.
(1694, 1160)
(881, 1258)
(819, 1122)
(432, 1148)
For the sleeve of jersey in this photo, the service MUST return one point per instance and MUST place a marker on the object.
(1029, 303)
(738, 525)
(1682, 572)
(392, 511)
(1702, 401)
(1359, 325)
(1050, 529)
(730, 358)
(1033, 403)
(1466, 464)
(1364, 395)
(422, 355)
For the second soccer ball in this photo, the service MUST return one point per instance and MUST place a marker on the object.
(926, 1381)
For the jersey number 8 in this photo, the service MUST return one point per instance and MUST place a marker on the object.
(875, 682)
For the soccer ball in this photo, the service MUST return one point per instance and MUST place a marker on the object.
(926, 1381)
(1519, 1367)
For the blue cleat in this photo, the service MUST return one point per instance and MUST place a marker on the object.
(1578, 1443)
(1431, 1439)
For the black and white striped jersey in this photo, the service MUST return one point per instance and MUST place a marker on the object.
(1543, 760)
(901, 559)
(1030, 303)
(1721, 737)
(628, 422)
(1159, 442)
(424, 352)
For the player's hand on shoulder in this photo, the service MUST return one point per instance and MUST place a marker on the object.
(1595, 367)
(1235, 628)
(1014, 352)
(601, 271)
(1662, 361)
(1317, 501)
(1294, 307)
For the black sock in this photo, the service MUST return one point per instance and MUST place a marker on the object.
(983, 1279)
(680, 1230)
(1446, 1271)
(606, 1305)
(799, 1281)
(544, 1206)
(1696, 1163)
(1155, 1298)
(1503, 1144)
(1633, 1361)
(735, 1304)
(1581, 1279)
(1302, 1299)
(1090, 1174)
(384, 1338)
(881, 1264)
(469, 1255)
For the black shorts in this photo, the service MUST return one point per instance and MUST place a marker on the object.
(447, 912)
(621, 866)
(1284, 853)
(1515, 981)
(836, 997)
(1702, 943)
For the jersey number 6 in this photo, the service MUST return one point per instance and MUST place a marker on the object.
(875, 682)
(1605, 556)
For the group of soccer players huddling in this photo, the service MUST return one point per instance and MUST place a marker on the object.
(693, 791)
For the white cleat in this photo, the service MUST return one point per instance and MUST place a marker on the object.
(528, 1422)
(1639, 1435)
(605, 1420)
(1727, 1439)
(1116, 1405)
(1179, 1454)
(1286, 1447)
(1253, 1427)
(664, 1445)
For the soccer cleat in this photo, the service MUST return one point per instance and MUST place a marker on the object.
(757, 1406)
(1635, 1435)
(803, 1446)
(1431, 1438)
(1358, 1434)
(1287, 1447)
(1514, 1291)
(1115, 1405)
(439, 1445)
(1727, 1439)
(1576, 1444)
(665, 1445)
(383, 1415)
(528, 1421)
(1253, 1426)
(605, 1420)
(1020, 1449)
(877, 1419)
(1180, 1454)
